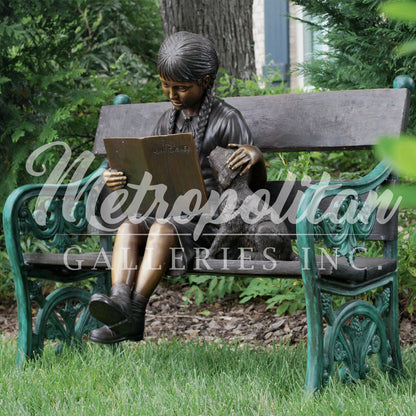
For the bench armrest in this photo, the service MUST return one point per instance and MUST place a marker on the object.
(347, 221)
(57, 214)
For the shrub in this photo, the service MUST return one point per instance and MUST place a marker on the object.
(61, 61)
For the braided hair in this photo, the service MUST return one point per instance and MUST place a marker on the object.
(188, 57)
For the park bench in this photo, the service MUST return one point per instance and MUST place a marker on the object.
(318, 121)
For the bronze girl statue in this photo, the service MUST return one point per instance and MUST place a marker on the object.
(187, 67)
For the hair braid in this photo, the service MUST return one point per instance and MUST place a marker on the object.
(204, 113)
(172, 120)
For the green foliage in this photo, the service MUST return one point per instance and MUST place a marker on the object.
(287, 294)
(340, 165)
(400, 10)
(6, 276)
(61, 61)
(229, 86)
(281, 166)
(362, 44)
(407, 260)
(368, 44)
(206, 288)
(401, 153)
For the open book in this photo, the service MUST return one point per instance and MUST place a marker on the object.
(158, 168)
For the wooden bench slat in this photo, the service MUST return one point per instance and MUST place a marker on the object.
(365, 268)
(286, 122)
(337, 268)
(84, 260)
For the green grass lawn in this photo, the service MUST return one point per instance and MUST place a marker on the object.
(174, 378)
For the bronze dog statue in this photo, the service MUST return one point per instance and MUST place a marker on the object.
(263, 238)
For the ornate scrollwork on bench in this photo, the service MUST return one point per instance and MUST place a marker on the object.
(346, 229)
(64, 316)
(355, 331)
(51, 224)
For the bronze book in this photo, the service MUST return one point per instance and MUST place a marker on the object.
(172, 162)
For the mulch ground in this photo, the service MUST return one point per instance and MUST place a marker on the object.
(167, 317)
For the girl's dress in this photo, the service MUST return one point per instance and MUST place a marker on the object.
(225, 125)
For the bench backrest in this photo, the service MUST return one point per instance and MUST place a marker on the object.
(353, 119)
(288, 122)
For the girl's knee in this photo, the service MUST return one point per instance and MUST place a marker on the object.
(162, 228)
(128, 227)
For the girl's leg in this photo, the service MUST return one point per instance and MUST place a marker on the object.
(155, 262)
(113, 309)
(157, 256)
(129, 240)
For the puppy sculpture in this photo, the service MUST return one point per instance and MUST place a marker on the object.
(261, 238)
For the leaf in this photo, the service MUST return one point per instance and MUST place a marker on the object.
(199, 296)
(400, 152)
(199, 279)
(198, 293)
(25, 126)
(212, 284)
(407, 48)
(205, 313)
(221, 288)
(400, 10)
(245, 299)
(281, 309)
(3, 80)
(406, 192)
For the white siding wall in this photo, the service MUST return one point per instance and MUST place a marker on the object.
(296, 29)
(295, 40)
(258, 35)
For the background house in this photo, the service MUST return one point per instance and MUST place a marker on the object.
(279, 41)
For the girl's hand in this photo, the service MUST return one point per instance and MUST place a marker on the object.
(114, 179)
(244, 155)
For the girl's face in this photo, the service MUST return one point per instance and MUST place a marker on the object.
(185, 95)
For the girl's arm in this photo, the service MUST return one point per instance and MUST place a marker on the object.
(253, 159)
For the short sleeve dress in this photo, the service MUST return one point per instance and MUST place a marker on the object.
(225, 125)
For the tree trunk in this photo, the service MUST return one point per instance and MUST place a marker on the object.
(227, 23)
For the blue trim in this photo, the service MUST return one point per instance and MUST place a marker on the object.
(276, 26)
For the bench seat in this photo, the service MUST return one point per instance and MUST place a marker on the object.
(365, 269)
(84, 260)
